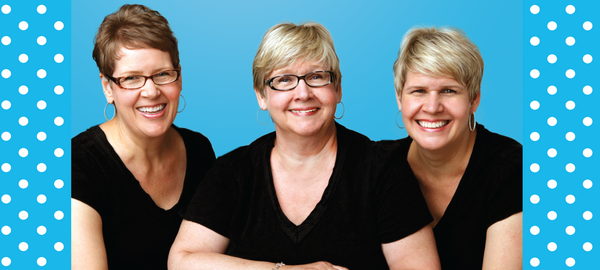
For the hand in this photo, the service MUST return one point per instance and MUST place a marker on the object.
(314, 266)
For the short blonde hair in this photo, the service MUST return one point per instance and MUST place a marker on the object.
(445, 51)
(286, 43)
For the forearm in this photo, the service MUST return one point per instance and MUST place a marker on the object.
(210, 260)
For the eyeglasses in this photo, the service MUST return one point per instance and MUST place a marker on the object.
(138, 81)
(289, 82)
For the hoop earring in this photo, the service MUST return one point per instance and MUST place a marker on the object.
(343, 110)
(114, 111)
(472, 123)
(184, 104)
(258, 117)
(397, 120)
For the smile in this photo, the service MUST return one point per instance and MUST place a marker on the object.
(304, 111)
(437, 124)
(154, 109)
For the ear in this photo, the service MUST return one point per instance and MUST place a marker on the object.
(106, 88)
(180, 81)
(398, 99)
(475, 102)
(338, 91)
(262, 101)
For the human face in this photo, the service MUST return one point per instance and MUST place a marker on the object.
(435, 110)
(150, 110)
(304, 110)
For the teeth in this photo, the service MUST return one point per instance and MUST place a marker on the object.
(438, 124)
(306, 111)
(154, 109)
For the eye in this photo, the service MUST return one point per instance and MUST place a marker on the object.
(315, 76)
(129, 78)
(418, 91)
(448, 91)
(283, 79)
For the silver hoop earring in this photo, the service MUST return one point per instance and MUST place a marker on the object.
(397, 120)
(184, 104)
(258, 117)
(343, 110)
(114, 111)
(472, 123)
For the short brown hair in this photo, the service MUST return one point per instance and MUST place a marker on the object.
(132, 27)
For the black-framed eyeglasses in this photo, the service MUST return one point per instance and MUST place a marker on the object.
(138, 81)
(289, 82)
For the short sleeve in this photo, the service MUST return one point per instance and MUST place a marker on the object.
(86, 182)
(506, 196)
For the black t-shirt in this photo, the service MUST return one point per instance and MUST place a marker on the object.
(364, 205)
(137, 233)
(489, 191)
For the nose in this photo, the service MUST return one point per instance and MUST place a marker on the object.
(302, 91)
(432, 103)
(150, 90)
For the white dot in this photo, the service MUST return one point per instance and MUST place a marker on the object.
(587, 215)
(552, 246)
(552, 59)
(534, 199)
(6, 230)
(534, 136)
(587, 184)
(23, 215)
(41, 73)
(5, 167)
(5, 136)
(534, 105)
(552, 184)
(570, 167)
(23, 89)
(570, 230)
(570, 41)
(5, 105)
(41, 40)
(534, 73)
(23, 25)
(23, 121)
(59, 58)
(58, 215)
(59, 25)
(570, 73)
(570, 9)
(6, 261)
(41, 198)
(23, 246)
(23, 184)
(5, 198)
(587, 26)
(570, 136)
(59, 90)
(535, 230)
(23, 58)
(41, 136)
(41, 261)
(6, 9)
(535, 9)
(552, 152)
(59, 121)
(587, 58)
(552, 26)
(59, 184)
(587, 152)
(552, 215)
(534, 41)
(6, 40)
(535, 262)
(41, 167)
(41, 9)
(570, 105)
(570, 199)
(59, 246)
(5, 73)
(41, 230)
(587, 121)
(23, 152)
(58, 152)
(534, 167)
(41, 104)
(587, 90)
(552, 121)
(587, 246)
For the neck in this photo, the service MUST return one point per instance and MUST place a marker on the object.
(133, 147)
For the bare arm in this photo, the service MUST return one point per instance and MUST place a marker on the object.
(504, 244)
(416, 251)
(197, 247)
(87, 251)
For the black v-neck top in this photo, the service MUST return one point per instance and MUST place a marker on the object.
(364, 205)
(137, 233)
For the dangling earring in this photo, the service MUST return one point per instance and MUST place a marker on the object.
(114, 111)
(472, 123)
(184, 104)
(397, 120)
(258, 117)
(343, 110)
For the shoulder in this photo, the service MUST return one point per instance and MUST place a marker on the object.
(495, 147)
(196, 143)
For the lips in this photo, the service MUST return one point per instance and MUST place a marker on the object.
(304, 111)
(152, 110)
(434, 124)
